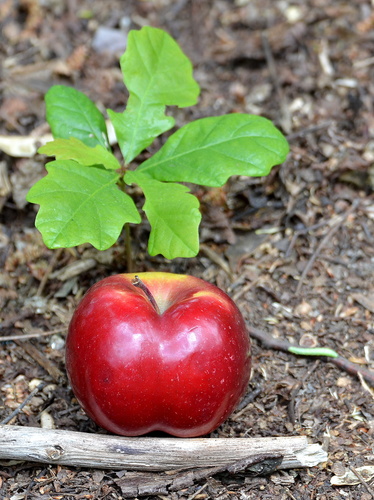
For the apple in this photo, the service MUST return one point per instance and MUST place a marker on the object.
(157, 352)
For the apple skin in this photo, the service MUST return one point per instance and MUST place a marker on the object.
(134, 370)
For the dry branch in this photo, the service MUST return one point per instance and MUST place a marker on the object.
(149, 453)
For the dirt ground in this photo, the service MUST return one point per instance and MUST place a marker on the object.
(295, 250)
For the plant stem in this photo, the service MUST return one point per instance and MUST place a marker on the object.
(128, 249)
(140, 284)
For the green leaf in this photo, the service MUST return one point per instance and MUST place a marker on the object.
(155, 68)
(71, 113)
(80, 204)
(157, 74)
(210, 150)
(147, 126)
(313, 351)
(74, 149)
(173, 214)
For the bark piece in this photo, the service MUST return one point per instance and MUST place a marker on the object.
(48, 365)
(148, 453)
(135, 484)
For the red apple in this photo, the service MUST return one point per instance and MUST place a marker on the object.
(159, 351)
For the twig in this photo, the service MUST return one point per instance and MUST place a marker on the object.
(271, 63)
(312, 259)
(305, 230)
(285, 117)
(41, 359)
(141, 484)
(35, 482)
(197, 492)
(175, 9)
(8, 323)
(365, 386)
(324, 241)
(290, 495)
(309, 130)
(362, 480)
(26, 336)
(48, 271)
(295, 390)
(244, 289)
(283, 345)
(268, 341)
(147, 454)
(23, 404)
(248, 399)
(217, 259)
(244, 406)
(353, 369)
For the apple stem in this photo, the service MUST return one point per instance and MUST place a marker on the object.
(140, 284)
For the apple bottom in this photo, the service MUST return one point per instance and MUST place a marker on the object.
(184, 406)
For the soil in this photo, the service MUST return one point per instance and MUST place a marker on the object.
(295, 249)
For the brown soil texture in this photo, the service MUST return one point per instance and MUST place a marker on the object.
(295, 249)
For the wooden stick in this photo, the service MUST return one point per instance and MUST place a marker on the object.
(24, 403)
(48, 365)
(149, 453)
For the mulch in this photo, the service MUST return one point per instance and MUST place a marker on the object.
(295, 250)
